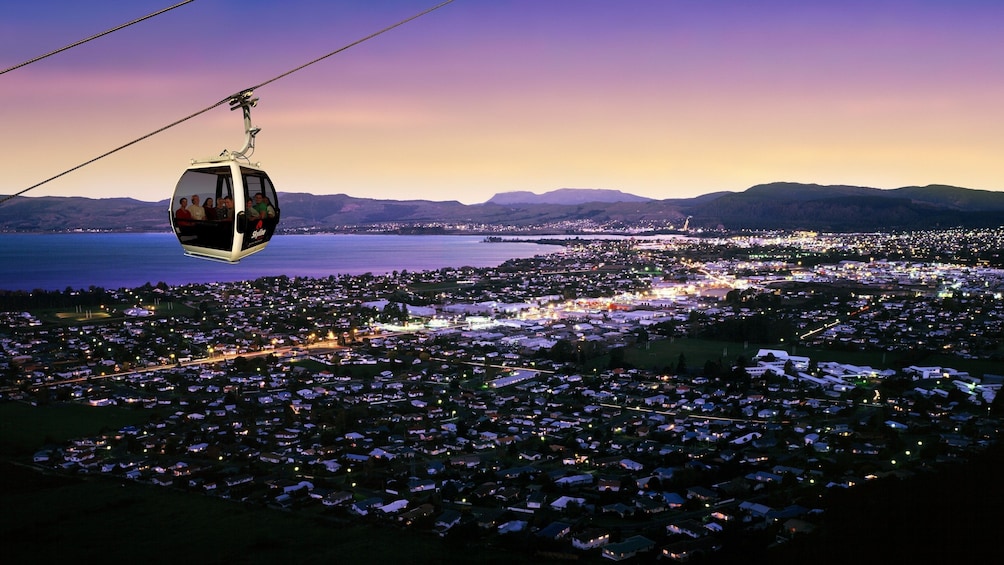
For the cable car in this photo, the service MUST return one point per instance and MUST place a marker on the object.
(244, 211)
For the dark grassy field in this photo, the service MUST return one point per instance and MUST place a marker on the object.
(25, 429)
(54, 518)
(69, 316)
(49, 519)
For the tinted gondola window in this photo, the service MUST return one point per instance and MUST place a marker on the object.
(215, 232)
(261, 208)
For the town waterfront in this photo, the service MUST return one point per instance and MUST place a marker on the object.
(116, 260)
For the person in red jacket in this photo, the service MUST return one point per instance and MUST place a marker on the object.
(182, 216)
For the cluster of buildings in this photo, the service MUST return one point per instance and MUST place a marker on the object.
(478, 413)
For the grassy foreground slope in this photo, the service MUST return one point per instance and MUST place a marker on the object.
(50, 518)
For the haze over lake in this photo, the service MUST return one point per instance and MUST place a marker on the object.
(115, 260)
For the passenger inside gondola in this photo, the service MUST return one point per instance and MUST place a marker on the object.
(263, 206)
(225, 211)
(210, 209)
(198, 212)
(251, 211)
(183, 214)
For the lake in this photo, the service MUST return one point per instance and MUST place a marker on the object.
(116, 260)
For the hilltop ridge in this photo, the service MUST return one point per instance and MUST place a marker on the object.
(565, 196)
(778, 205)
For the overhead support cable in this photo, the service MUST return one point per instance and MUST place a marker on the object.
(102, 34)
(353, 44)
(116, 150)
(227, 100)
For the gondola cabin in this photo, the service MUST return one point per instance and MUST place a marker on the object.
(224, 209)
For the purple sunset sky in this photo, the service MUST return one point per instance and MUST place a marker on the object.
(660, 98)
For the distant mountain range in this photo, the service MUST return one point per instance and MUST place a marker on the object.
(781, 205)
(564, 196)
(838, 208)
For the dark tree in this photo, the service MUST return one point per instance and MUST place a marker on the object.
(562, 351)
(616, 358)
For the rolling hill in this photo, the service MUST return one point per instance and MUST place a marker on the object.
(843, 208)
(565, 196)
(781, 205)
